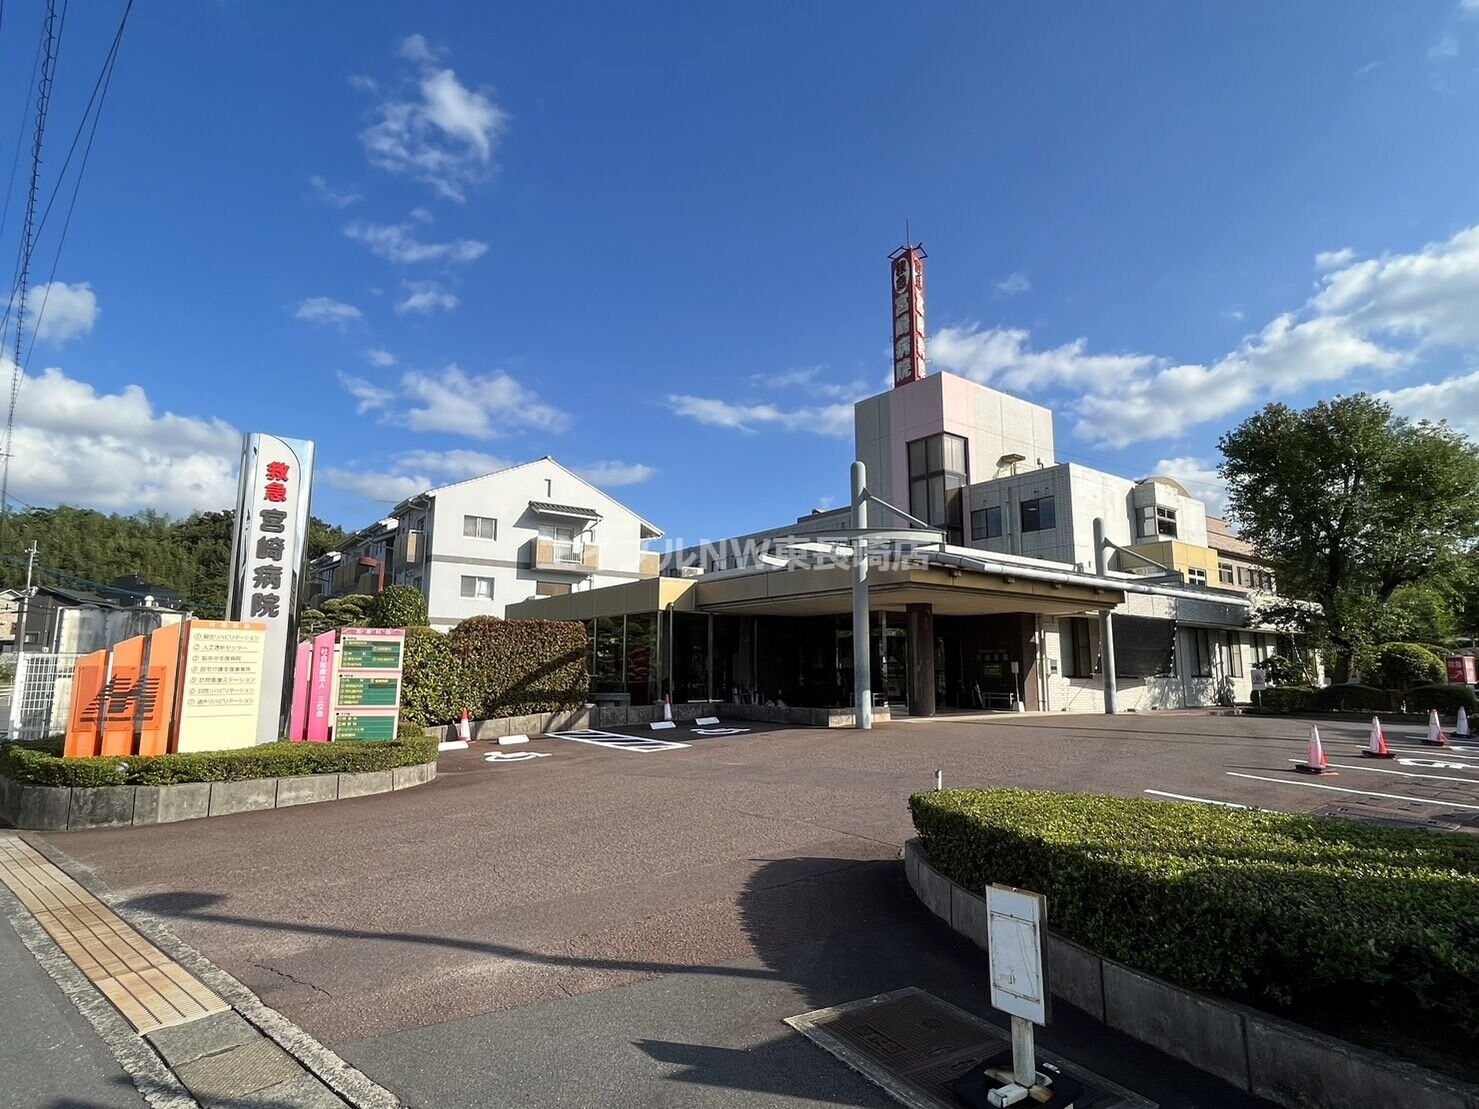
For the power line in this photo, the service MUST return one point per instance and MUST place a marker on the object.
(100, 95)
(28, 240)
(20, 134)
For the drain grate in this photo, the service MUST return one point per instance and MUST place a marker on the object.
(915, 1046)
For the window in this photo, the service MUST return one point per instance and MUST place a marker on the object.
(1038, 515)
(1078, 659)
(937, 479)
(480, 588)
(564, 540)
(1157, 520)
(1235, 654)
(1197, 576)
(479, 527)
(1200, 642)
(986, 523)
(1225, 573)
(551, 588)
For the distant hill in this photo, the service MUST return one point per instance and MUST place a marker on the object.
(83, 549)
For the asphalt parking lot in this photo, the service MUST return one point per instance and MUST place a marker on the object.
(615, 924)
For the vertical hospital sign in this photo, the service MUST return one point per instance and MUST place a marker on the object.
(269, 559)
(908, 291)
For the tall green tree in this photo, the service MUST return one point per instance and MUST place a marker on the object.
(1352, 504)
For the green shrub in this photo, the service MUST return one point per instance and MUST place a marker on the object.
(43, 764)
(1353, 698)
(517, 667)
(398, 606)
(434, 687)
(1447, 699)
(1289, 698)
(1406, 665)
(1286, 671)
(1329, 922)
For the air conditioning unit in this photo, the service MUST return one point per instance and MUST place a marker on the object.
(690, 571)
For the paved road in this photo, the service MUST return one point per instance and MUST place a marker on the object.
(50, 1057)
(613, 927)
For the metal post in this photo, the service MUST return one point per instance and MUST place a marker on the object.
(1106, 625)
(20, 634)
(862, 670)
(1024, 1057)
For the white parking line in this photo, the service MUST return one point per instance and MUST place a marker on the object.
(1360, 792)
(1401, 773)
(1201, 800)
(618, 741)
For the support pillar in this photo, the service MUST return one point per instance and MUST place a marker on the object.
(862, 654)
(921, 648)
(1106, 626)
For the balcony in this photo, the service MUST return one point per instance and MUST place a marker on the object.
(562, 557)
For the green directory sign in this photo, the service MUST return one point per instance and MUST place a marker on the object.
(365, 727)
(369, 654)
(356, 690)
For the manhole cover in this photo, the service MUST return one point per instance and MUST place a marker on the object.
(915, 1046)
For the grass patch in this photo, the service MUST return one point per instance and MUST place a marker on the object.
(1366, 932)
(42, 763)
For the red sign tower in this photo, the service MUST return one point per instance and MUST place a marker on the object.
(908, 291)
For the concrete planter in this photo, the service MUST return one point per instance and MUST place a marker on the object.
(1271, 1058)
(72, 808)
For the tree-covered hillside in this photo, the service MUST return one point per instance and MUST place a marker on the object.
(79, 546)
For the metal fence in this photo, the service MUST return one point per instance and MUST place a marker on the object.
(41, 699)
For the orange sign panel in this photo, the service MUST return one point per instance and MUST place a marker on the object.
(88, 680)
(158, 696)
(121, 703)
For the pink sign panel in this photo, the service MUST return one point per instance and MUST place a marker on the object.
(321, 689)
(298, 720)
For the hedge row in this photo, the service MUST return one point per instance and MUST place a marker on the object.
(1365, 698)
(42, 763)
(1327, 922)
(494, 668)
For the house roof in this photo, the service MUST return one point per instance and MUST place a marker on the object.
(1221, 537)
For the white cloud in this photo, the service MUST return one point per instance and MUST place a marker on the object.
(1455, 399)
(610, 473)
(1468, 7)
(1013, 284)
(831, 419)
(57, 312)
(1233, 314)
(320, 189)
(113, 452)
(326, 310)
(425, 297)
(1003, 356)
(1444, 48)
(397, 242)
(438, 131)
(413, 472)
(380, 357)
(422, 215)
(1200, 478)
(479, 406)
(1334, 259)
(371, 397)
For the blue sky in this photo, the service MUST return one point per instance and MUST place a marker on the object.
(651, 240)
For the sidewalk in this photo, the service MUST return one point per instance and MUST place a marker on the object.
(50, 1055)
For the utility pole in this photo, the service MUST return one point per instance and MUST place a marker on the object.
(20, 622)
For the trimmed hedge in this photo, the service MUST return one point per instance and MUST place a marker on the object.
(42, 763)
(1404, 665)
(397, 606)
(1289, 698)
(1354, 698)
(494, 668)
(1447, 699)
(1329, 922)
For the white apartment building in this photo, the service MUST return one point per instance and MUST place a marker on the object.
(475, 547)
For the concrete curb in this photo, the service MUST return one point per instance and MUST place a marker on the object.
(72, 808)
(626, 716)
(1269, 1057)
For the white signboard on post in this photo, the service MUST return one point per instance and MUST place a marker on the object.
(269, 557)
(1260, 679)
(1014, 920)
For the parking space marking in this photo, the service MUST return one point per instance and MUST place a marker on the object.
(618, 741)
(1200, 800)
(1405, 773)
(1359, 792)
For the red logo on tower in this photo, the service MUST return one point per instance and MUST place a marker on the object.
(908, 293)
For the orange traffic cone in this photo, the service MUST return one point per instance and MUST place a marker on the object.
(1377, 749)
(1315, 762)
(1435, 736)
(464, 728)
